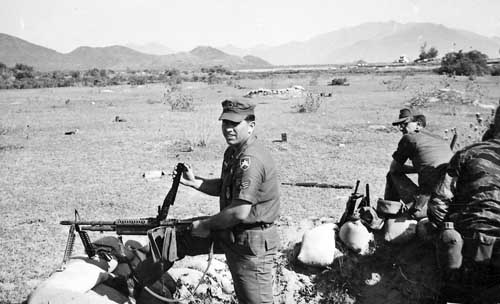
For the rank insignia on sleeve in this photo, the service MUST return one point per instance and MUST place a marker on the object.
(244, 163)
(244, 185)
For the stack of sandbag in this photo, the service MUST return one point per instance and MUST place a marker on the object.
(399, 227)
(84, 280)
(75, 282)
(318, 246)
(356, 236)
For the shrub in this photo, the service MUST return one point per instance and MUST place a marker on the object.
(311, 104)
(338, 81)
(398, 84)
(495, 70)
(473, 63)
(179, 101)
(23, 71)
(425, 55)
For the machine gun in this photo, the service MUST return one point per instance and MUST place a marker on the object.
(124, 226)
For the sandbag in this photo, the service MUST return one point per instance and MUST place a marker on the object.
(356, 236)
(80, 275)
(318, 246)
(399, 230)
(105, 292)
(61, 296)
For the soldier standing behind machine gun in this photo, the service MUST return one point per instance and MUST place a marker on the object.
(248, 192)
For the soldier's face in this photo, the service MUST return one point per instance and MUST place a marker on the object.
(409, 127)
(236, 133)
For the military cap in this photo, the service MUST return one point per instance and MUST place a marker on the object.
(405, 115)
(236, 110)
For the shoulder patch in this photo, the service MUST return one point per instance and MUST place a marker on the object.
(244, 163)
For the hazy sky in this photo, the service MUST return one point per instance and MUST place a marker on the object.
(182, 25)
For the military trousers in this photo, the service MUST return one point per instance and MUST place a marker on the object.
(250, 255)
(400, 187)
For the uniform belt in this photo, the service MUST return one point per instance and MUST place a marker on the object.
(252, 226)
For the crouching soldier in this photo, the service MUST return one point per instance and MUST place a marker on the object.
(429, 156)
(468, 198)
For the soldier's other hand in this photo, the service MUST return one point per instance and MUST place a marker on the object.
(188, 178)
(200, 229)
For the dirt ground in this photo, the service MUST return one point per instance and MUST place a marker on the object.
(405, 273)
(98, 167)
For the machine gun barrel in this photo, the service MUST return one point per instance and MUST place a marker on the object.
(100, 223)
(128, 226)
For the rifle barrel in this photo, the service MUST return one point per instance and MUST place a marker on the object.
(100, 223)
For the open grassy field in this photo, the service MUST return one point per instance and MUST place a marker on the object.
(45, 174)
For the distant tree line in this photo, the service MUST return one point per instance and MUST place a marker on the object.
(473, 63)
(425, 54)
(22, 76)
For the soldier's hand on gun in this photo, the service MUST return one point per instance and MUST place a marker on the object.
(188, 178)
(200, 229)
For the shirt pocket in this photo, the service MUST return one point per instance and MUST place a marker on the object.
(482, 249)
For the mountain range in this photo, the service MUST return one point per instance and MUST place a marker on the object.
(153, 48)
(15, 50)
(371, 42)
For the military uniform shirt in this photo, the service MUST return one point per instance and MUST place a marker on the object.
(427, 153)
(249, 174)
(476, 202)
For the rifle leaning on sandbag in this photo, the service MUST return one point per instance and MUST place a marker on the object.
(363, 207)
(350, 205)
(138, 226)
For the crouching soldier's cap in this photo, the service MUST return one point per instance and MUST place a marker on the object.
(405, 115)
(236, 110)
